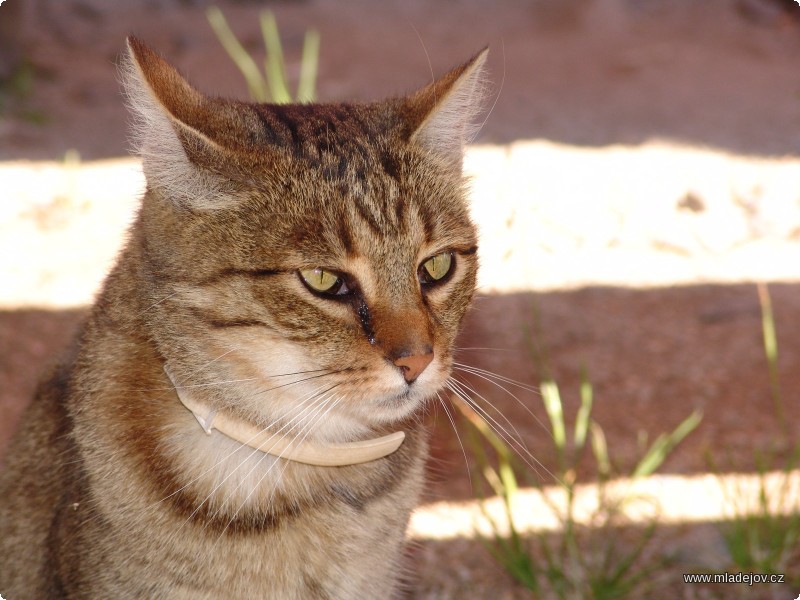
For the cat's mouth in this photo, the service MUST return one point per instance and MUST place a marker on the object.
(401, 400)
(288, 447)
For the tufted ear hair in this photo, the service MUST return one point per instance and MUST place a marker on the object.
(186, 139)
(443, 115)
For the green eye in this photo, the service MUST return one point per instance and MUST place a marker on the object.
(324, 281)
(436, 268)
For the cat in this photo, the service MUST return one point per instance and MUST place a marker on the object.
(241, 414)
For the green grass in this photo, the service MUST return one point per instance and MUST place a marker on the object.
(767, 539)
(580, 561)
(770, 338)
(270, 83)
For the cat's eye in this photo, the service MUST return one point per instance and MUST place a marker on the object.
(324, 281)
(436, 268)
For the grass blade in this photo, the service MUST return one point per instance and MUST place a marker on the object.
(276, 75)
(306, 87)
(256, 84)
(664, 444)
(584, 412)
(771, 352)
(555, 412)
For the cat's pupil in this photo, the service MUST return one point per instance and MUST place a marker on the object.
(435, 269)
(325, 281)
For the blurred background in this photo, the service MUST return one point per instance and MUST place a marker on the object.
(634, 341)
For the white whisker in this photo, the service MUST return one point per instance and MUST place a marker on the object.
(491, 377)
(466, 386)
(514, 442)
(458, 436)
(156, 303)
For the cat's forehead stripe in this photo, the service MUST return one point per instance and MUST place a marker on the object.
(310, 130)
(345, 236)
(369, 214)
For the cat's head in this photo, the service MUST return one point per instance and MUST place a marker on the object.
(309, 264)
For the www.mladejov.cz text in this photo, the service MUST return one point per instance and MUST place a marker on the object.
(740, 577)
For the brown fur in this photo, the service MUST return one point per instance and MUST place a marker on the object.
(111, 489)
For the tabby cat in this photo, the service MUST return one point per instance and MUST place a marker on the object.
(240, 415)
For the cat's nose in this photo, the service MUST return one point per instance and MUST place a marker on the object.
(413, 365)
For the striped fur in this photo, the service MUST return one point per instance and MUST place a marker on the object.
(111, 490)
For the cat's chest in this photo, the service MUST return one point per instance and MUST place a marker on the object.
(329, 554)
(273, 529)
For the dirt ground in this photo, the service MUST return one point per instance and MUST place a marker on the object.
(720, 74)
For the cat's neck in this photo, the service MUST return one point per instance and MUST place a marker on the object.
(287, 447)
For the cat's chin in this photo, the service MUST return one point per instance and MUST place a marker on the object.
(394, 407)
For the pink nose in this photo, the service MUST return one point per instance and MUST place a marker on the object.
(412, 366)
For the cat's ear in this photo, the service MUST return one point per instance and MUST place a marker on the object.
(181, 134)
(443, 114)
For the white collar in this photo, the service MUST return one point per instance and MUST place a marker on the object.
(323, 455)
